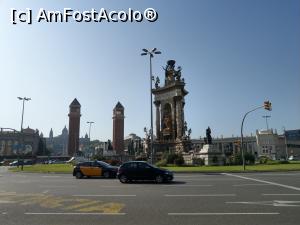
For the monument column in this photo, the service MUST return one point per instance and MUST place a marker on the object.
(179, 117)
(157, 104)
(174, 119)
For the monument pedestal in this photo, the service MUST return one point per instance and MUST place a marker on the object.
(211, 155)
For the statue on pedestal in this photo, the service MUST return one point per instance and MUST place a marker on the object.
(208, 139)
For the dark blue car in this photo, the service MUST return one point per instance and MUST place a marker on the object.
(140, 170)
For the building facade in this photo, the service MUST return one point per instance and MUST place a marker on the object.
(58, 145)
(14, 143)
(292, 141)
(133, 145)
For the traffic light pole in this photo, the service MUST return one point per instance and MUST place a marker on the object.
(242, 137)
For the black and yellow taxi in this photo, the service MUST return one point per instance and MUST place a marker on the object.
(94, 169)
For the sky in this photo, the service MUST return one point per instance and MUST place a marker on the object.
(234, 55)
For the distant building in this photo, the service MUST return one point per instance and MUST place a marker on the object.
(74, 128)
(105, 149)
(228, 145)
(292, 139)
(84, 144)
(265, 143)
(133, 145)
(58, 145)
(118, 129)
(270, 144)
(11, 142)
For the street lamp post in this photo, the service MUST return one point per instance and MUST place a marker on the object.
(151, 54)
(266, 117)
(285, 143)
(267, 106)
(22, 135)
(90, 123)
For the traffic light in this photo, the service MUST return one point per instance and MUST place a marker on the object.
(268, 105)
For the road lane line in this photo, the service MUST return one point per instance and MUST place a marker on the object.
(187, 185)
(241, 185)
(56, 186)
(6, 202)
(264, 181)
(203, 195)
(280, 194)
(104, 195)
(51, 176)
(95, 214)
(220, 214)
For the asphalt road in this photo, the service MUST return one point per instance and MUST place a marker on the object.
(60, 199)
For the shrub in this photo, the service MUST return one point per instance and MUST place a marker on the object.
(263, 159)
(249, 158)
(179, 161)
(198, 161)
(171, 158)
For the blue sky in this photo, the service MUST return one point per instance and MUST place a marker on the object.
(234, 55)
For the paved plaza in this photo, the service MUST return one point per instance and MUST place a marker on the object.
(56, 199)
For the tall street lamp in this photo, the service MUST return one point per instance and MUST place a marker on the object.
(151, 54)
(90, 123)
(267, 117)
(268, 106)
(22, 99)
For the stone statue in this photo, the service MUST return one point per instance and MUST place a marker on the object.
(185, 126)
(168, 124)
(178, 73)
(208, 136)
(189, 133)
(169, 71)
(157, 82)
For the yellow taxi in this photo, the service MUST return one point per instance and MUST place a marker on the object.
(94, 169)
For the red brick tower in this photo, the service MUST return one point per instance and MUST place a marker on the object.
(74, 126)
(118, 129)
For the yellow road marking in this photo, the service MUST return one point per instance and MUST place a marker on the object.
(64, 203)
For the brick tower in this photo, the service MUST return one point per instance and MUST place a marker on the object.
(74, 126)
(118, 129)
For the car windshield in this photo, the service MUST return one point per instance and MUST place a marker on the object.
(103, 164)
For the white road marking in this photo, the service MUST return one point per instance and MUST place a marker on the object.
(221, 214)
(210, 179)
(278, 174)
(56, 186)
(7, 193)
(264, 181)
(104, 195)
(280, 194)
(241, 185)
(187, 185)
(94, 214)
(6, 202)
(115, 186)
(51, 176)
(203, 195)
(277, 203)
(4, 213)
(45, 192)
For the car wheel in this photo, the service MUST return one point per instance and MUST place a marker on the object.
(159, 179)
(78, 175)
(123, 179)
(106, 174)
